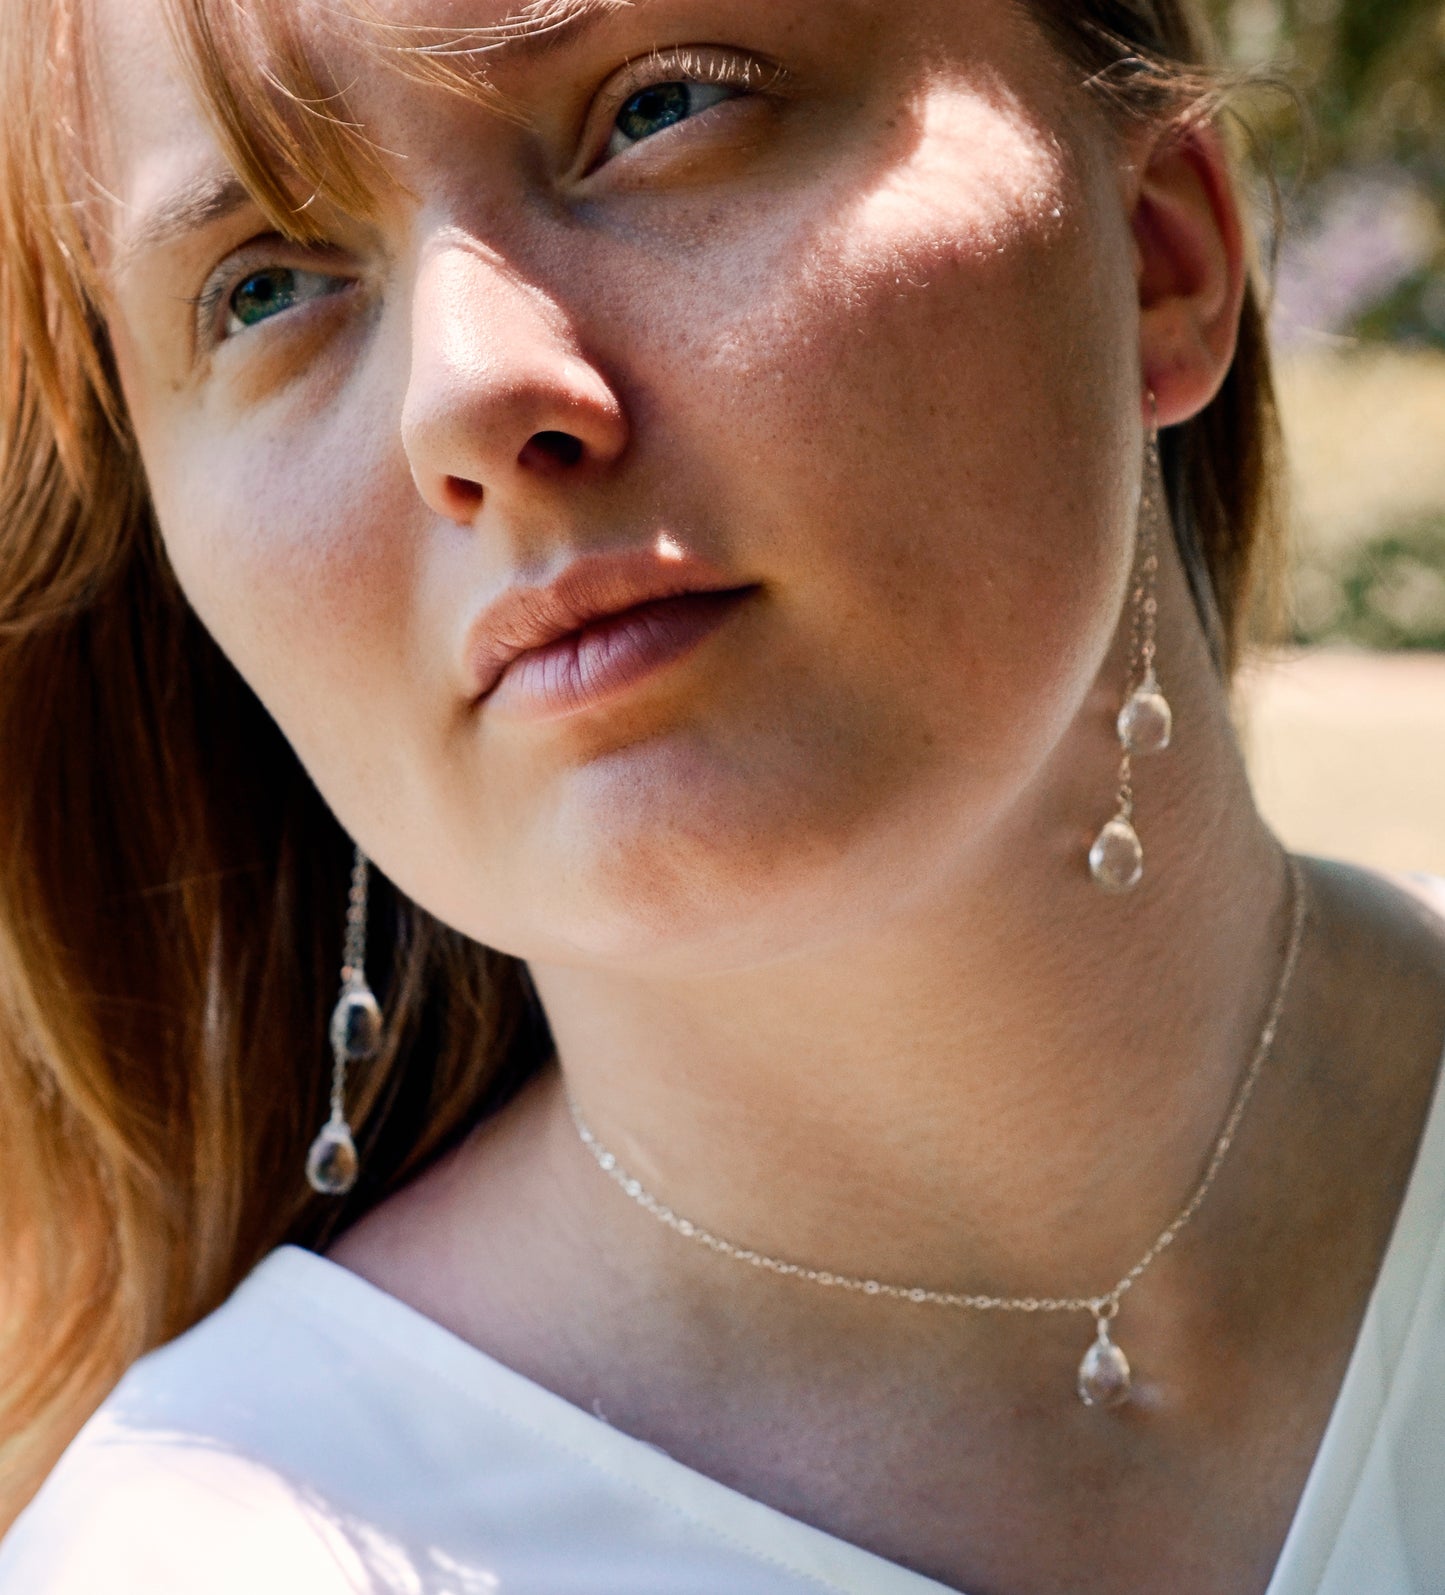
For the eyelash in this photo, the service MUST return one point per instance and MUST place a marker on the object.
(709, 68)
(715, 67)
(215, 296)
(694, 64)
(208, 302)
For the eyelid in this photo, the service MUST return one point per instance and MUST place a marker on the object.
(271, 250)
(696, 63)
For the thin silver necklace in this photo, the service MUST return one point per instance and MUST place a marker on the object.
(1104, 1377)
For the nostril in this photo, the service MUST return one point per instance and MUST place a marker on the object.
(464, 497)
(552, 448)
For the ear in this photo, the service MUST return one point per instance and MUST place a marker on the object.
(1190, 262)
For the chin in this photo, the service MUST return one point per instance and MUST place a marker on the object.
(721, 870)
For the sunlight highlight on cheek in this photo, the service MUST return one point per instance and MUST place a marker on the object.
(980, 179)
(921, 363)
(973, 213)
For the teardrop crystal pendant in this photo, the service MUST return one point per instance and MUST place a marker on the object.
(1104, 1377)
(1146, 722)
(1117, 858)
(356, 1024)
(332, 1163)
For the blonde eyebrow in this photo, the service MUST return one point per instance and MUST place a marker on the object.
(195, 205)
(533, 31)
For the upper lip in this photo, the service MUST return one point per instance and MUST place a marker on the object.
(587, 589)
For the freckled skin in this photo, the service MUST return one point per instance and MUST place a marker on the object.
(807, 911)
(830, 369)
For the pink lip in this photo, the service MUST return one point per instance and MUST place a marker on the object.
(603, 623)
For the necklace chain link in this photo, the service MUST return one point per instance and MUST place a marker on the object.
(1103, 1307)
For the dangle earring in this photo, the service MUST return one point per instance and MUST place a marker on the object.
(332, 1163)
(1146, 722)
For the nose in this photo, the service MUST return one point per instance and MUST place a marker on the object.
(500, 399)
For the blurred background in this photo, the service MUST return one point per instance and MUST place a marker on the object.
(1346, 727)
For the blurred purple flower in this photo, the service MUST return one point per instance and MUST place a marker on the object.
(1365, 233)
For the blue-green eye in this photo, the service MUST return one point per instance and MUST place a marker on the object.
(661, 105)
(268, 292)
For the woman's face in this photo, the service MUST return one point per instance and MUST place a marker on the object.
(834, 300)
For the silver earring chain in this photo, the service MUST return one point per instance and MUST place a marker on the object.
(354, 954)
(1145, 723)
(356, 1028)
(1144, 606)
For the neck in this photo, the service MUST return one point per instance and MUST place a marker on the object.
(1009, 1085)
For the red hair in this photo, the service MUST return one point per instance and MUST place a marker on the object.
(171, 885)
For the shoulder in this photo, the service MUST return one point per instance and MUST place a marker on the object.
(191, 1475)
(144, 1513)
(1400, 915)
(316, 1436)
(1370, 1021)
(1378, 958)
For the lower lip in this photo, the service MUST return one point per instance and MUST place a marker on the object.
(604, 659)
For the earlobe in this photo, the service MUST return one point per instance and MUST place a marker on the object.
(1190, 258)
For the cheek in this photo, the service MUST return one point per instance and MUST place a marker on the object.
(297, 545)
(907, 412)
(934, 393)
(914, 418)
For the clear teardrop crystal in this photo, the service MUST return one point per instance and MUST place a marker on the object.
(356, 1024)
(1104, 1377)
(1146, 722)
(1116, 858)
(332, 1163)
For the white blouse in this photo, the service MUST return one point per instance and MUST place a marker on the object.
(316, 1436)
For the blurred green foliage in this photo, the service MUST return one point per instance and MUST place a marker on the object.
(1387, 592)
(1359, 154)
(1371, 72)
(1365, 140)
